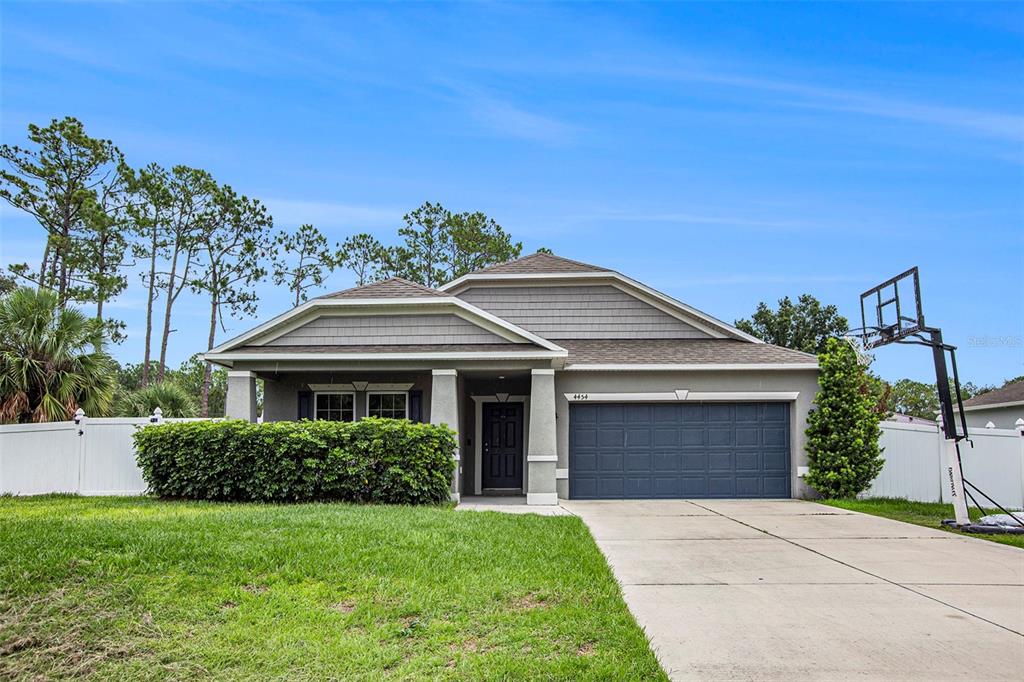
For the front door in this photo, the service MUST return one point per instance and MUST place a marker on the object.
(502, 446)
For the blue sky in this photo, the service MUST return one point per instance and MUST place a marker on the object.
(724, 154)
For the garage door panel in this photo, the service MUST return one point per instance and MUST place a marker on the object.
(585, 462)
(638, 486)
(748, 436)
(719, 437)
(774, 436)
(637, 462)
(666, 450)
(610, 487)
(692, 436)
(748, 486)
(666, 438)
(748, 461)
(665, 461)
(720, 461)
(638, 438)
(695, 462)
(775, 461)
(775, 486)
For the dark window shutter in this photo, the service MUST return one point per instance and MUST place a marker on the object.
(305, 405)
(416, 406)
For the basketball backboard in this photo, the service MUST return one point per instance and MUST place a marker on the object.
(892, 310)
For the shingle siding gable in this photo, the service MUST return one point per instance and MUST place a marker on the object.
(579, 312)
(386, 330)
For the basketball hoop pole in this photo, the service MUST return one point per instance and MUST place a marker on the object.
(954, 474)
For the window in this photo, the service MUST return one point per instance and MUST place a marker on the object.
(336, 407)
(389, 405)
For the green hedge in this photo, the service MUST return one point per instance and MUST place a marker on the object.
(372, 460)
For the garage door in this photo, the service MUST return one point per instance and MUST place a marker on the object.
(665, 450)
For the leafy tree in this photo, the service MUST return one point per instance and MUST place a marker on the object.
(914, 398)
(439, 245)
(63, 182)
(476, 241)
(7, 284)
(232, 247)
(191, 375)
(546, 250)
(301, 260)
(364, 256)
(422, 256)
(842, 431)
(149, 212)
(52, 360)
(172, 399)
(193, 214)
(805, 326)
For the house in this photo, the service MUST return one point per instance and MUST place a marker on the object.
(562, 379)
(1003, 407)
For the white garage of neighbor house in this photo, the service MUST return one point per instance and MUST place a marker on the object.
(562, 379)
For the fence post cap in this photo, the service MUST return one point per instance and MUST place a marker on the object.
(157, 411)
(79, 415)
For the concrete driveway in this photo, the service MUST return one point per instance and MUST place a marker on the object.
(748, 589)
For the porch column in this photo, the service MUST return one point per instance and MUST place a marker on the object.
(541, 449)
(444, 409)
(241, 399)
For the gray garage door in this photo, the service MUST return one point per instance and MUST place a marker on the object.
(639, 450)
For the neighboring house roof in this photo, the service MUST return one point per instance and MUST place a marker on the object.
(395, 287)
(1009, 395)
(607, 353)
(540, 263)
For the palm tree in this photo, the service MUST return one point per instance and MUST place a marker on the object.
(172, 399)
(52, 360)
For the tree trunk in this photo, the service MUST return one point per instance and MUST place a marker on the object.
(207, 369)
(167, 316)
(45, 264)
(149, 307)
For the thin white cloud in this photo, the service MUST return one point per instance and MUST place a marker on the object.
(509, 120)
(332, 214)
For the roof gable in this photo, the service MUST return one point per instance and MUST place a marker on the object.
(394, 287)
(540, 263)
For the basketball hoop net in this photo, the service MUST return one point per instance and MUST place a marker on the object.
(864, 358)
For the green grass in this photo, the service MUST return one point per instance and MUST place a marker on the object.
(137, 588)
(929, 514)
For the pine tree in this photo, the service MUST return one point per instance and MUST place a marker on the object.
(842, 432)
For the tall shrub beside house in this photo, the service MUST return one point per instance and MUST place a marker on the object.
(842, 433)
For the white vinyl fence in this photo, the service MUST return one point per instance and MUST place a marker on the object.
(93, 457)
(914, 463)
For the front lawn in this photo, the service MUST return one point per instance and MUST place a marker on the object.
(117, 588)
(929, 514)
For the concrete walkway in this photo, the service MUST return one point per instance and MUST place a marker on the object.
(755, 590)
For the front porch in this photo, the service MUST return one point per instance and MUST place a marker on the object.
(504, 417)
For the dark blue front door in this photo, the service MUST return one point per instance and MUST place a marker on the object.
(678, 450)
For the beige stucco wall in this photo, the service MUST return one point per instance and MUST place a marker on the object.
(805, 382)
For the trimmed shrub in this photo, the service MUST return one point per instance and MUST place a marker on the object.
(390, 461)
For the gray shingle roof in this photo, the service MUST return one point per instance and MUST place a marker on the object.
(396, 287)
(678, 351)
(1011, 393)
(539, 263)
